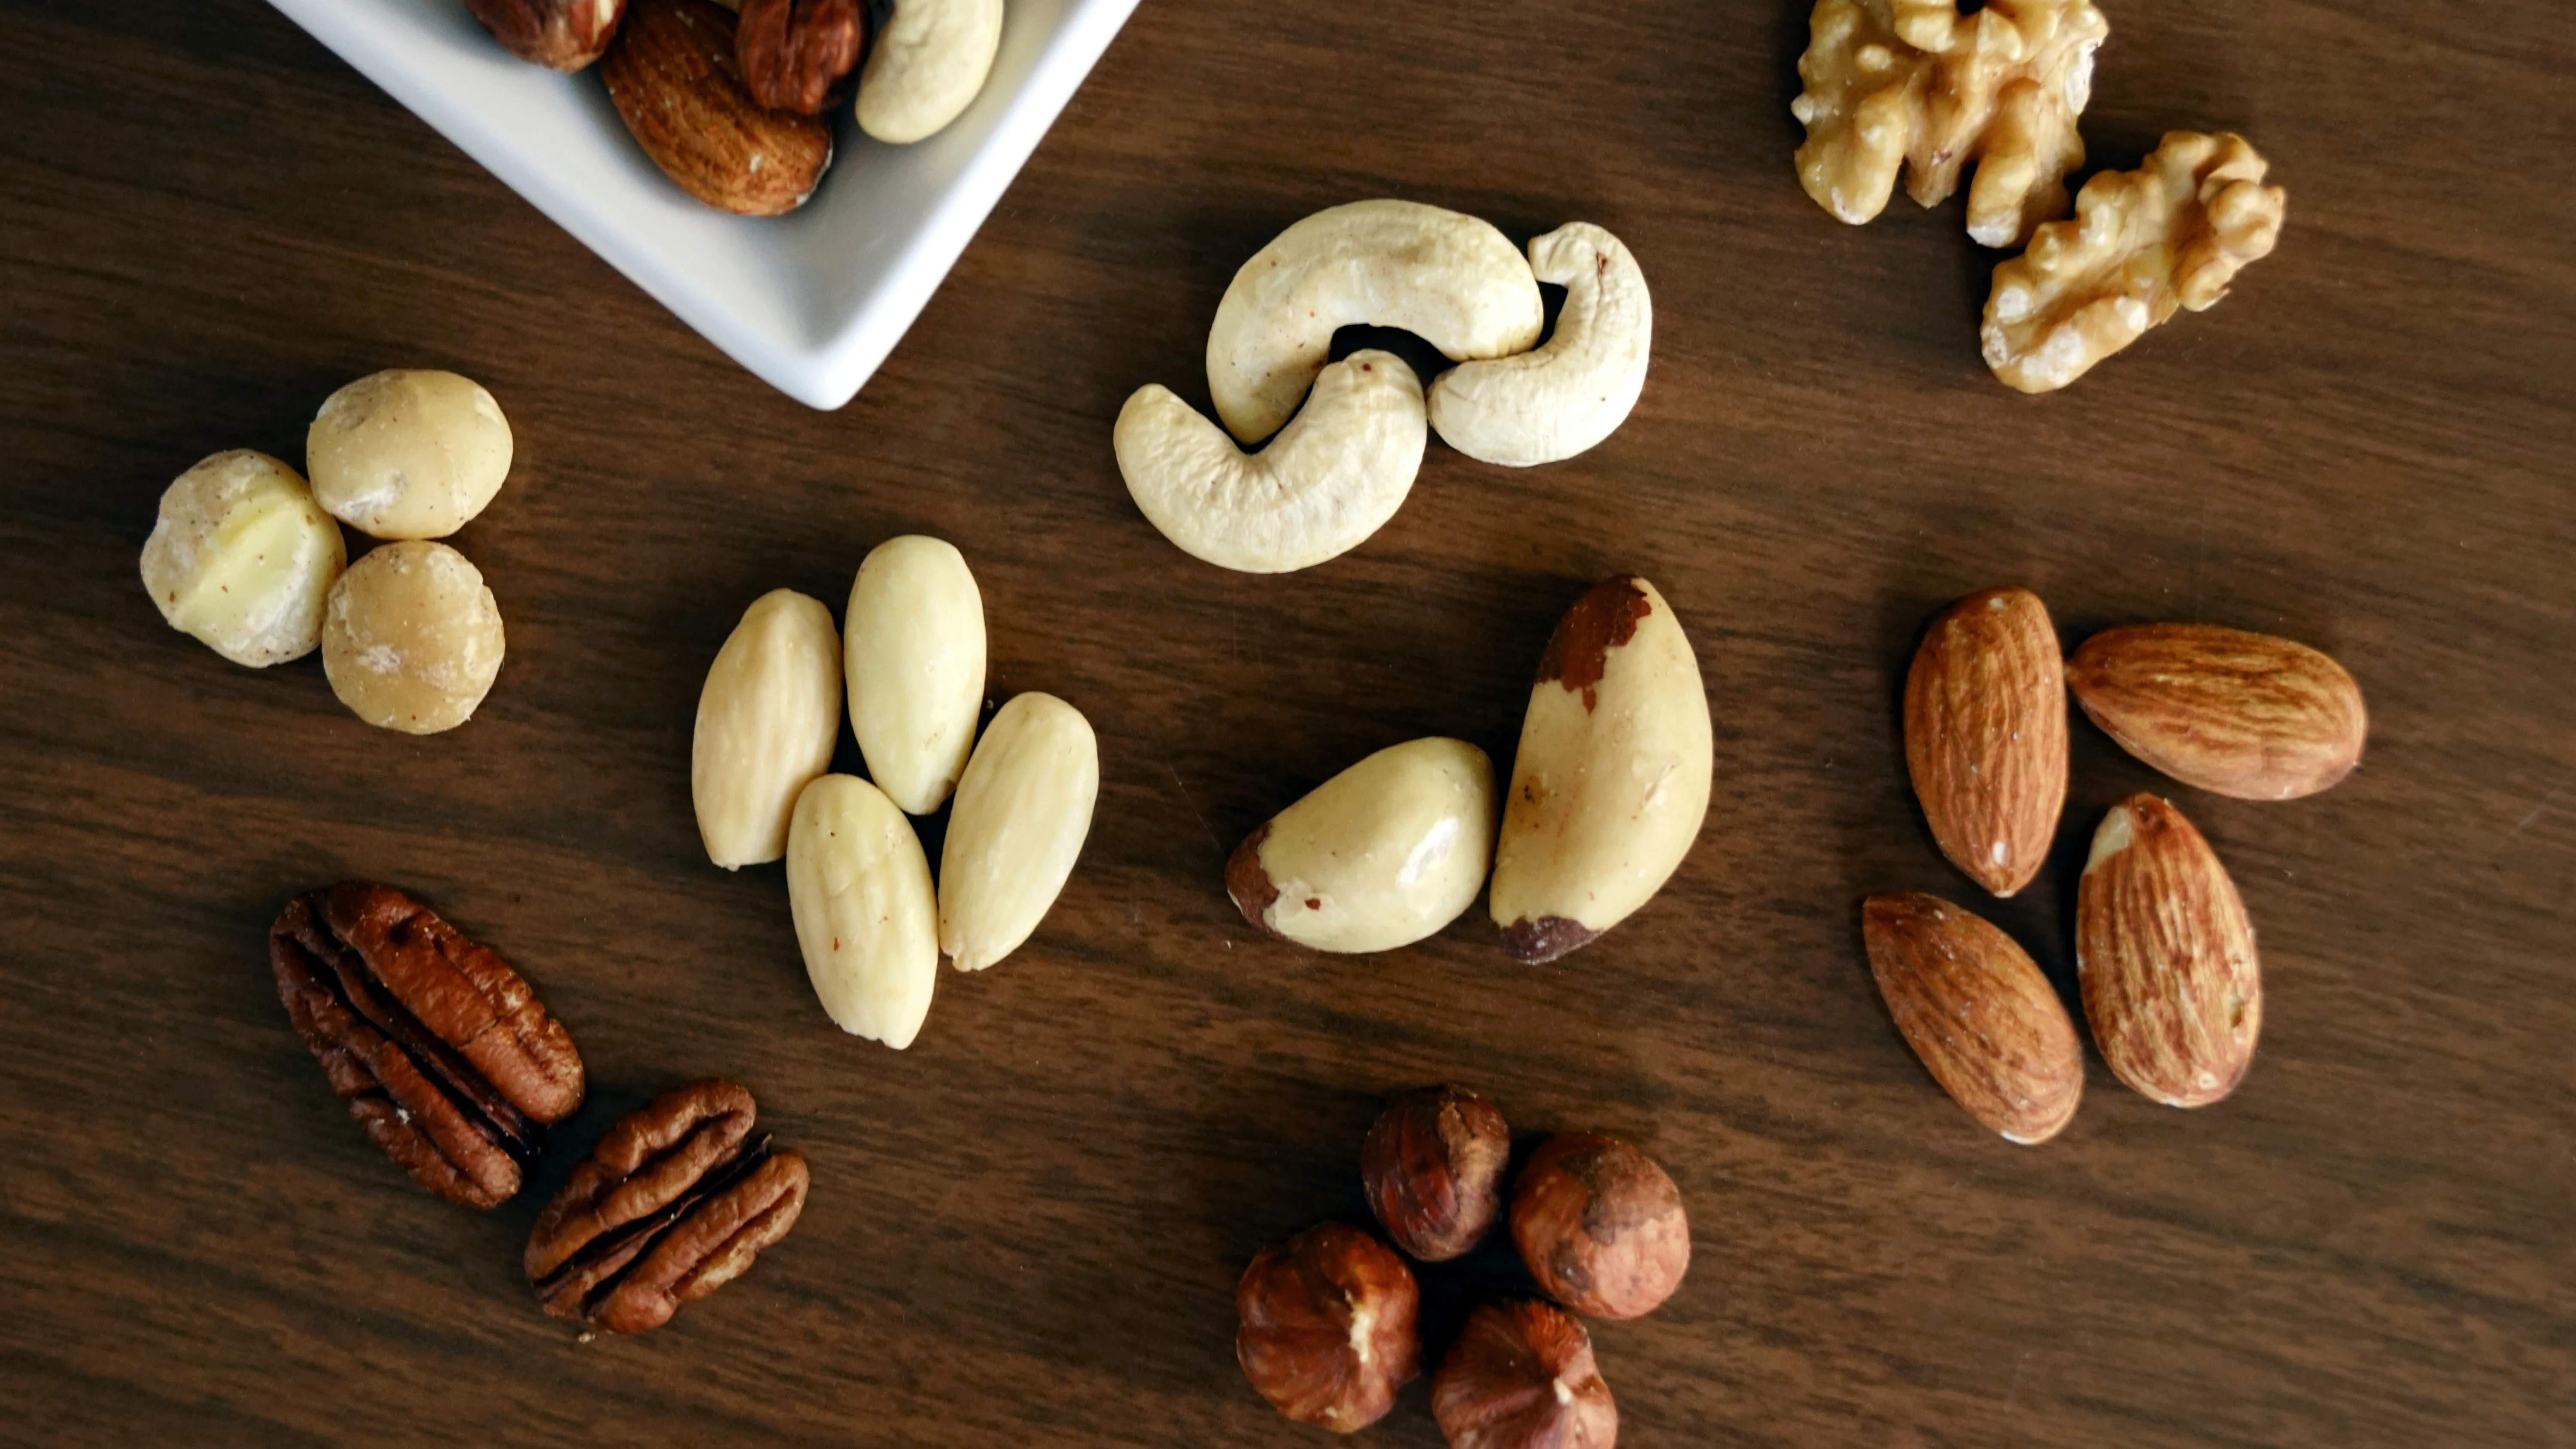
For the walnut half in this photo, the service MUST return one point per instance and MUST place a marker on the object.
(1917, 84)
(2141, 244)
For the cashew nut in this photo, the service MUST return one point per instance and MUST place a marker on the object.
(1548, 405)
(1451, 279)
(928, 64)
(1328, 481)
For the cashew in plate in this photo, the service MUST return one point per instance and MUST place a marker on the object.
(926, 66)
(1451, 279)
(1548, 405)
(1328, 481)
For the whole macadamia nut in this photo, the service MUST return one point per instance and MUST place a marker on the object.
(408, 453)
(242, 558)
(412, 639)
(1433, 1167)
(1600, 1226)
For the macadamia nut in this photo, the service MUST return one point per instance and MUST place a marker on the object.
(412, 639)
(242, 558)
(408, 453)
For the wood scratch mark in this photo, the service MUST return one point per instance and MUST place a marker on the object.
(2544, 804)
(1175, 772)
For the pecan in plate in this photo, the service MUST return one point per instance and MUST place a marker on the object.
(674, 1203)
(440, 1049)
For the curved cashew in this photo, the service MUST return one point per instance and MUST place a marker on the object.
(928, 64)
(1451, 279)
(1328, 481)
(1548, 405)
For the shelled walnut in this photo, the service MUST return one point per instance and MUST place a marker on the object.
(1917, 84)
(2141, 245)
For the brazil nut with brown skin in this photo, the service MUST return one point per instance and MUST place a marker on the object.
(674, 1203)
(443, 1054)
(1611, 782)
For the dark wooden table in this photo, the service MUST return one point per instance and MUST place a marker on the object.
(1027, 1229)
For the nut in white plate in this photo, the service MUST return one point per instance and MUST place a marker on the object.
(1330, 479)
(242, 559)
(866, 918)
(408, 453)
(411, 639)
(1381, 855)
(926, 66)
(913, 646)
(767, 720)
(1451, 279)
(1022, 813)
(1550, 404)
(1612, 779)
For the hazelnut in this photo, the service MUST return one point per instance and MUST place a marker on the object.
(799, 55)
(1600, 1226)
(1329, 1328)
(564, 34)
(1433, 1165)
(1521, 1376)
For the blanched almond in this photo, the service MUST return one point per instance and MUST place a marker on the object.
(866, 918)
(1022, 812)
(914, 650)
(767, 720)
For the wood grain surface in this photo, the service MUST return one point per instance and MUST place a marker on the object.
(1027, 1229)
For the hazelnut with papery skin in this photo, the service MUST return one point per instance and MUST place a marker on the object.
(1329, 1328)
(1600, 1226)
(1521, 1376)
(1433, 1166)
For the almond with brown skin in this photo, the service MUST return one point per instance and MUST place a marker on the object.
(1985, 735)
(2246, 715)
(564, 34)
(1976, 1009)
(2166, 957)
(675, 78)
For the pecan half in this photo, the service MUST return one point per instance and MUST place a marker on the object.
(440, 1049)
(674, 1203)
(799, 55)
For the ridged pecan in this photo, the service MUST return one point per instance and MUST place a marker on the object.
(674, 1203)
(441, 1050)
(799, 55)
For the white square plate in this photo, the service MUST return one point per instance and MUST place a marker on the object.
(812, 301)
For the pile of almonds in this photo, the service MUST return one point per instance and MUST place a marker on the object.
(870, 923)
(1330, 1320)
(2164, 952)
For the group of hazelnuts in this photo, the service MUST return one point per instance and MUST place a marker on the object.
(1331, 1318)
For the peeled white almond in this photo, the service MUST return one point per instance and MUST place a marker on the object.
(767, 720)
(1022, 813)
(913, 647)
(866, 918)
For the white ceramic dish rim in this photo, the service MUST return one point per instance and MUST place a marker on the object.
(812, 303)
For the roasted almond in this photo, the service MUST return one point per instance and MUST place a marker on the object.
(1977, 1010)
(2247, 715)
(2166, 957)
(676, 79)
(1985, 735)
